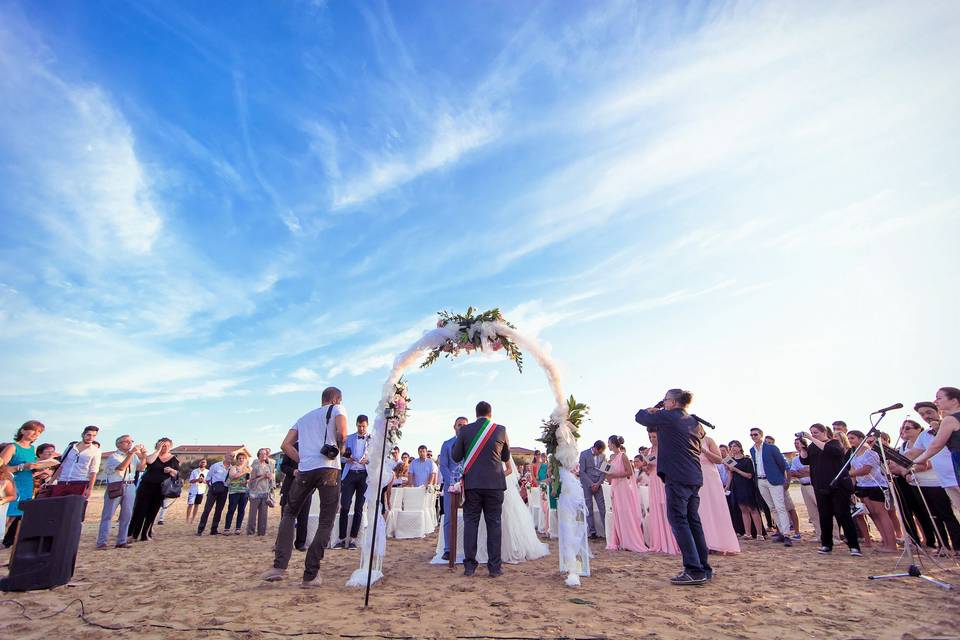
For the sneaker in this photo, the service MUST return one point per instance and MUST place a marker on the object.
(787, 542)
(312, 584)
(273, 575)
(776, 538)
(352, 545)
(825, 550)
(856, 553)
(101, 547)
(341, 544)
(214, 533)
(237, 532)
(760, 538)
(159, 521)
(446, 556)
(858, 511)
(300, 548)
(796, 537)
(685, 579)
(226, 532)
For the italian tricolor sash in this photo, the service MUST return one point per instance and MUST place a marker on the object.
(483, 434)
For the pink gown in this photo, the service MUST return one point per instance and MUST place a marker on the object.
(658, 527)
(625, 526)
(714, 512)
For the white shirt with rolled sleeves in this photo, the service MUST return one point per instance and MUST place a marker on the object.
(79, 465)
(198, 488)
(114, 461)
(217, 473)
(314, 431)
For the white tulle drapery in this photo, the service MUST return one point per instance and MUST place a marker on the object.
(571, 508)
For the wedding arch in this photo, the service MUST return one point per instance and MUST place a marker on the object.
(454, 335)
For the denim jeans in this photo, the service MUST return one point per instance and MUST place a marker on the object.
(236, 502)
(327, 483)
(683, 513)
(125, 502)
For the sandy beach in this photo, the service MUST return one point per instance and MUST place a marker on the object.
(187, 582)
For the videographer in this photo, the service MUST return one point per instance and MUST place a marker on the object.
(825, 457)
(321, 435)
(678, 465)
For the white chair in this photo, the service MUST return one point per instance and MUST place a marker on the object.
(608, 503)
(554, 531)
(430, 507)
(314, 521)
(412, 518)
(536, 510)
(396, 505)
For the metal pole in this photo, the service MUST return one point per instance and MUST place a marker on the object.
(387, 414)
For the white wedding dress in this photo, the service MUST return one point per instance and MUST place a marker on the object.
(518, 541)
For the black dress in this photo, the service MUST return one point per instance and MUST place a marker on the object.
(744, 489)
(149, 498)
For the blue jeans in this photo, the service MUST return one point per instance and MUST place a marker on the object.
(125, 502)
(683, 513)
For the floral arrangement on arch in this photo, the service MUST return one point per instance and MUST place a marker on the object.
(398, 411)
(576, 412)
(475, 333)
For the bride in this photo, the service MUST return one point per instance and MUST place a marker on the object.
(519, 541)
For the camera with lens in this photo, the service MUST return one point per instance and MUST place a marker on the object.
(330, 450)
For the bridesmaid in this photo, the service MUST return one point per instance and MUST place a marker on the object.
(625, 529)
(658, 527)
(714, 511)
(745, 491)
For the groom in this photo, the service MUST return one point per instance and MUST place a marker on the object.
(483, 447)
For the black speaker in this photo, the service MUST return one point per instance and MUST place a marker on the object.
(46, 548)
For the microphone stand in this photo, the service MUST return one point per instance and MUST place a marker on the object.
(387, 415)
(910, 546)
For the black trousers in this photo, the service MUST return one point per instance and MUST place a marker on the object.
(942, 511)
(215, 502)
(836, 504)
(145, 507)
(911, 504)
(489, 503)
(352, 488)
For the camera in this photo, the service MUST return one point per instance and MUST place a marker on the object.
(330, 450)
(347, 453)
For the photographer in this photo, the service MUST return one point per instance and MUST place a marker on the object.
(321, 435)
(679, 437)
(825, 457)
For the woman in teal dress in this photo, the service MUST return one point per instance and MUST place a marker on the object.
(20, 457)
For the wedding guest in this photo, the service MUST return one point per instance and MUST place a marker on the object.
(318, 470)
(394, 456)
(402, 474)
(871, 489)
(591, 481)
(77, 473)
(825, 457)
(625, 527)
(41, 477)
(744, 490)
(421, 469)
(935, 497)
(801, 473)
(450, 472)
(941, 443)
(20, 457)
(839, 427)
(915, 511)
(198, 489)
(216, 495)
(121, 468)
(353, 483)
(160, 465)
(260, 489)
(769, 440)
(771, 476)
(288, 467)
(237, 491)
(405, 457)
(714, 513)
(8, 494)
(657, 524)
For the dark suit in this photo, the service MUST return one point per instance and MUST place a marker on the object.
(483, 486)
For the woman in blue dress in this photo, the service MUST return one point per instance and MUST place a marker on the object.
(20, 458)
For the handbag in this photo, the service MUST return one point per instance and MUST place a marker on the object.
(114, 490)
(271, 501)
(171, 488)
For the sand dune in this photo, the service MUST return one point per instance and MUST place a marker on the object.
(766, 592)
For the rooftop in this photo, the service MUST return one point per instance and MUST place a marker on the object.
(205, 449)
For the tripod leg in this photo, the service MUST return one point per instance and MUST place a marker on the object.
(889, 576)
(945, 585)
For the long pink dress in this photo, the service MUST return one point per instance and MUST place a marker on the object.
(625, 526)
(658, 527)
(714, 512)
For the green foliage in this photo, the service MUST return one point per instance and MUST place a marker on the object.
(576, 413)
(464, 341)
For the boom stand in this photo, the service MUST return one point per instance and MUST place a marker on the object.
(387, 416)
(910, 546)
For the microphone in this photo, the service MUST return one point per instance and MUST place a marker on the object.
(899, 405)
(701, 421)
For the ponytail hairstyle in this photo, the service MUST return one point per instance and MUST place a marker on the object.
(616, 440)
(681, 397)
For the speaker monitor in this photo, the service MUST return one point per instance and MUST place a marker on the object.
(46, 549)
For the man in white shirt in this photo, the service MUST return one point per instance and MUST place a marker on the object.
(216, 494)
(321, 435)
(77, 473)
(198, 489)
(121, 468)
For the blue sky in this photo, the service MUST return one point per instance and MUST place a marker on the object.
(210, 211)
